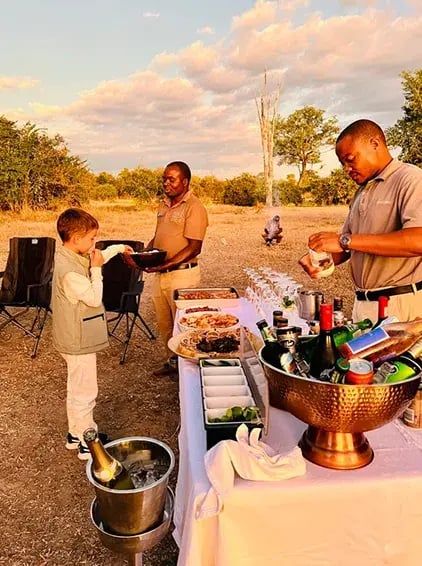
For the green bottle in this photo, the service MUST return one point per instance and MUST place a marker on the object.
(343, 334)
(106, 470)
(402, 367)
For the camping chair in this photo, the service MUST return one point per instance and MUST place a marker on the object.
(122, 288)
(26, 284)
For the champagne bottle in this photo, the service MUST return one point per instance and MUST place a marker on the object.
(325, 352)
(384, 342)
(382, 310)
(402, 367)
(347, 332)
(106, 470)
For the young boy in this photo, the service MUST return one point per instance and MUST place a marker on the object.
(79, 319)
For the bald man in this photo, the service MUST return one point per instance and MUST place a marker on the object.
(382, 234)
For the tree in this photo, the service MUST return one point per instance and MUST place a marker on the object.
(140, 183)
(300, 138)
(337, 188)
(245, 190)
(266, 107)
(35, 169)
(407, 131)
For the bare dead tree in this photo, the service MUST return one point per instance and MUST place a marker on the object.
(266, 106)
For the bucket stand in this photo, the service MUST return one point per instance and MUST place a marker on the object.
(133, 546)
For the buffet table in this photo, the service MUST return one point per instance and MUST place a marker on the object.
(367, 517)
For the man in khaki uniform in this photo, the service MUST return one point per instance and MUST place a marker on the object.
(382, 235)
(181, 225)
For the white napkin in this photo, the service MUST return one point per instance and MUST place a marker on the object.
(252, 460)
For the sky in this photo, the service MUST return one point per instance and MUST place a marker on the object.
(132, 83)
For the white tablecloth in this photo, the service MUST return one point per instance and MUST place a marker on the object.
(366, 517)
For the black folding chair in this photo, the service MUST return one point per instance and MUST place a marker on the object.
(26, 284)
(122, 288)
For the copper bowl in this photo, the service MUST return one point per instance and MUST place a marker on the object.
(337, 414)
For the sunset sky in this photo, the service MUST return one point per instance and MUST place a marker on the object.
(144, 82)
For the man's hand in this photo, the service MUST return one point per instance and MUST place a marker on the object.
(97, 258)
(128, 250)
(325, 242)
(157, 268)
(306, 264)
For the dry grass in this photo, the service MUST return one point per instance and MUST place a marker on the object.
(45, 499)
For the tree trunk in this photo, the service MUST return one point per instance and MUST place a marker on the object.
(267, 110)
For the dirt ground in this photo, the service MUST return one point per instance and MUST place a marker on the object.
(45, 496)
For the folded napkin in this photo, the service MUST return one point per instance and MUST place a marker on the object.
(251, 459)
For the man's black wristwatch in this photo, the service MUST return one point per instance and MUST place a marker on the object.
(345, 240)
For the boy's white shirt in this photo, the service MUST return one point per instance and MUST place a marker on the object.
(77, 287)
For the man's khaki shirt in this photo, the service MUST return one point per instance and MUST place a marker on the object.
(186, 220)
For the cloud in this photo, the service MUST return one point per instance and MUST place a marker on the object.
(151, 15)
(197, 103)
(206, 30)
(17, 83)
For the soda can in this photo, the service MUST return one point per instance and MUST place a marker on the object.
(360, 372)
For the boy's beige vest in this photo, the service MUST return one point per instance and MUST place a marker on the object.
(77, 328)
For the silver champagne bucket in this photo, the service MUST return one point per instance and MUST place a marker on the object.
(308, 303)
(133, 511)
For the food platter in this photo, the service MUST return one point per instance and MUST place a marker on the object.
(198, 308)
(220, 296)
(226, 342)
(205, 320)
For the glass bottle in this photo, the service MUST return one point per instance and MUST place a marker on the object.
(384, 342)
(338, 315)
(272, 349)
(402, 367)
(382, 310)
(347, 332)
(106, 470)
(325, 353)
(279, 321)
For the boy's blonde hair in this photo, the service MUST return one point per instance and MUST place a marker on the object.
(75, 221)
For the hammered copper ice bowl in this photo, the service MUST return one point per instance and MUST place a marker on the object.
(338, 414)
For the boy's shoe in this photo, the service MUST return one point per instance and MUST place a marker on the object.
(83, 453)
(72, 442)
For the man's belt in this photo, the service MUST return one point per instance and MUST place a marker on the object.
(388, 292)
(180, 266)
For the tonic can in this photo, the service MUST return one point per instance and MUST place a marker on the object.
(360, 372)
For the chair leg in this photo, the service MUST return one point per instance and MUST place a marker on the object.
(145, 329)
(40, 320)
(130, 323)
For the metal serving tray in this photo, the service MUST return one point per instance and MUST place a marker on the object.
(182, 302)
(249, 368)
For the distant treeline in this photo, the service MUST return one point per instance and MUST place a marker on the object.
(39, 172)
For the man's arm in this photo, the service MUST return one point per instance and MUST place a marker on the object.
(188, 252)
(402, 243)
